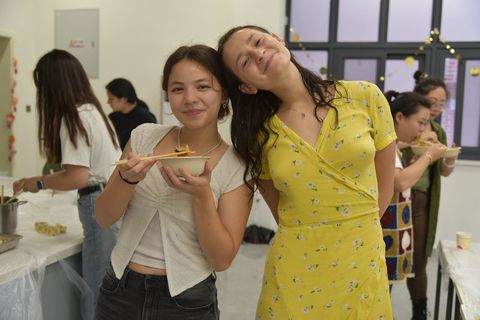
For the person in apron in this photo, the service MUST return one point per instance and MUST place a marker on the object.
(411, 113)
(426, 192)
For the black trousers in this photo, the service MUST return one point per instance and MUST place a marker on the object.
(417, 286)
(146, 297)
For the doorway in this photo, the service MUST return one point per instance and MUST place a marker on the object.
(6, 73)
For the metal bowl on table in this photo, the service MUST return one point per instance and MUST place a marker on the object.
(9, 241)
(8, 215)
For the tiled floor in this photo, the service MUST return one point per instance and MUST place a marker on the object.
(239, 287)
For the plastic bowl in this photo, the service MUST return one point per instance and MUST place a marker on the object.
(194, 165)
(420, 150)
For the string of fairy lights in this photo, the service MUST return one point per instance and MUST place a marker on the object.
(10, 117)
(435, 35)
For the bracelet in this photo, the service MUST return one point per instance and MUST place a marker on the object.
(450, 166)
(129, 182)
(430, 159)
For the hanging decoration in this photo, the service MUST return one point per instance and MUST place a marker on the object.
(10, 118)
(296, 38)
(409, 61)
(436, 35)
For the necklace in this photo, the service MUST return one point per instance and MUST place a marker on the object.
(302, 114)
(219, 142)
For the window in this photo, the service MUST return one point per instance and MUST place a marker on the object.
(450, 74)
(360, 69)
(310, 18)
(471, 111)
(405, 24)
(466, 11)
(316, 61)
(372, 40)
(358, 20)
(399, 74)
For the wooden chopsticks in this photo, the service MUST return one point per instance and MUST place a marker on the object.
(159, 156)
(15, 196)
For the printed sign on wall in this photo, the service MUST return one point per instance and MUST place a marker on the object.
(76, 31)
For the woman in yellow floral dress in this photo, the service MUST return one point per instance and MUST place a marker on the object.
(323, 156)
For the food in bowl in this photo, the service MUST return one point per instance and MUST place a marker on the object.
(183, 149)
(419, 150)
(422, 143)
(194, 165)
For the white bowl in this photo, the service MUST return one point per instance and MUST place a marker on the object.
(420, 150)
(194, 165)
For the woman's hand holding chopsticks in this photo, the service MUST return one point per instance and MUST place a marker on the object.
(134, 168)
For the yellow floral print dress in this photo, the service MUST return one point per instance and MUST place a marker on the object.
(327, 260)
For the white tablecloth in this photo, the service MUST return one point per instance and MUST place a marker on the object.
(463, 267)
(35, 249)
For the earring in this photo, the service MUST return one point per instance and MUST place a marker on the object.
(224, 105)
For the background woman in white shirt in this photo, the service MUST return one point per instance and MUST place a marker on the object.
(175, 232)
(73, 130)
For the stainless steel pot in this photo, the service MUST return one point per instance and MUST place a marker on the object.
(8, 215)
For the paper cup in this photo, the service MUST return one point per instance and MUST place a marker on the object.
(464, 239)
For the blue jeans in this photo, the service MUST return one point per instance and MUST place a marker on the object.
(97, 244)
(146, 297)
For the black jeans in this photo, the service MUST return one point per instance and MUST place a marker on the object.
(146, 297)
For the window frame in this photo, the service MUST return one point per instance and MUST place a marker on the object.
(431, 58)
(468, 153)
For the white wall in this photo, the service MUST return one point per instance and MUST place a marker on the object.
(135, 38)
(460, 202)
(17, 19)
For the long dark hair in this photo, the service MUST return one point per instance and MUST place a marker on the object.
(407, 103)
(62, 86)
(205, 56)
(252, 112)
(122, 88)
(424, 83)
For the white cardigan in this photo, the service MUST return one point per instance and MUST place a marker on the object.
(185, 263)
